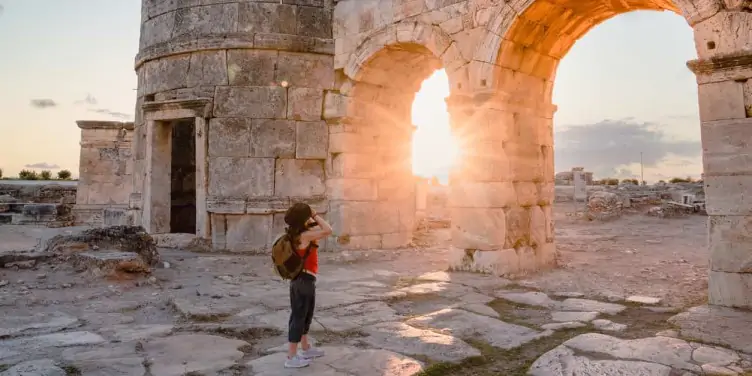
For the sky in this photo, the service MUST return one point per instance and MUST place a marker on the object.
(623, 89)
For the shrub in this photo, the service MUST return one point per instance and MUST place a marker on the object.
(1, 173)
(64, 175)
(45, 175)
(680, 180)
(28, 175)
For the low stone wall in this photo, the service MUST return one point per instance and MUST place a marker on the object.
(40, 192)
(105, 173)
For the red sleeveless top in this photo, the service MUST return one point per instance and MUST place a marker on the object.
(312, 262)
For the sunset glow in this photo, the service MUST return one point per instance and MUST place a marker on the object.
(434, 149)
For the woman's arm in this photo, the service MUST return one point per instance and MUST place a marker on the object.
(324, 230)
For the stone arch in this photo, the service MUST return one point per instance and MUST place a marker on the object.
(371, 184)
(512, 76)
(551, 29)
(429, 41)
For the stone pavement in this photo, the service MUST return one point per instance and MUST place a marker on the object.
(226, 315)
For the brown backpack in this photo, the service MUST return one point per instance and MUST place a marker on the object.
(287, 263)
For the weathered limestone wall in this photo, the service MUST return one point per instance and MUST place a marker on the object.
(105, 172)
(724, 76)
(254, 75)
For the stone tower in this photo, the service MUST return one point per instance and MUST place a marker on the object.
(229, 125)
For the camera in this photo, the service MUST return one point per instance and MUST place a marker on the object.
(311, 224)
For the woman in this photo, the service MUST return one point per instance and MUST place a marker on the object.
(305, 229)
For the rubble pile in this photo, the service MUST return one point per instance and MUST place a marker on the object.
(103, 251)
(604, 206)
(671, 209)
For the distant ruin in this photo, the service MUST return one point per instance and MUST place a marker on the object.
(244, 107)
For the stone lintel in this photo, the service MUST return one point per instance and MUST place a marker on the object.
(235, 40)
(200, 107)
(721, 63)
(103, 124)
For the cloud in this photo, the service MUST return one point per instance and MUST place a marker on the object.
(43, 103)
(90, 100)
(609, 147)
(114, 114)
(43, 165)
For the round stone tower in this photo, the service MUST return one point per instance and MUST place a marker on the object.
(229, 127)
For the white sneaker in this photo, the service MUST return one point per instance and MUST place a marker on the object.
(297, 362)
(311, 353)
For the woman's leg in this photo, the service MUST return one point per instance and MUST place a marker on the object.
(308, 318)
(296, 324)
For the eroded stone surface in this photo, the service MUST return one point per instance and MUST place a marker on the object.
(575, 304)
(342, 361)
(185, 353)
(405, 339)
(719, 325)
(43, 367)
(36, 324)
(608, 325)
(465, 324)
(562, 361)
(574, 316)
(648, 300)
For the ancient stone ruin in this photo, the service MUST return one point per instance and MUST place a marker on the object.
(244, 107)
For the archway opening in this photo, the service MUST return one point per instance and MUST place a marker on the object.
(434, 149)
(528, 61)
(372, 185)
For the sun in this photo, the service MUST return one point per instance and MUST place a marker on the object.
(434, 149)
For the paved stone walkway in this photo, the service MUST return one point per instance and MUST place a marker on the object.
(226, 315)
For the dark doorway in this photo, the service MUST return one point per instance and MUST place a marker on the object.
(183, 176)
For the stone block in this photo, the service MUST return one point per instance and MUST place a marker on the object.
(166, 74)
(293, 43)
(517, 227)
(314, 22)
(157, 29)
(229, 137)
(469, 194)
(730, 289)
(396, 240)
(304, 104)
(357, 242)
(351, 142)
(397, 187)
(335, 105)
(353, 218)
(249, 233)
(353, 166)
(487, 162)
(725, 195)
(311, 140)
(482, 229)
(115, 217)
(549, 218)
(299, 178)
(251, 67)
(258, 17)
(730, 242)
(306, 70)
(545, 256)
(527, 193)
(725, 147)
(721, 101)
(537, 226)
(528, 260)
(206, 20)
(207, 68)
(503, 262)
(241, 177)
(351, 189)
(273, 138)
(226, 206)
(251, 102)
(527, 162)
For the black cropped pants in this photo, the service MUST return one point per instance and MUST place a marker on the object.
(302, 301)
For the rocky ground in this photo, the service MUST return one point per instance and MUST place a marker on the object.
(382, 312)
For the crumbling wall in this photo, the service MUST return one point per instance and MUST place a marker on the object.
(105, 173)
